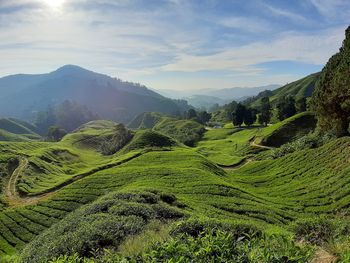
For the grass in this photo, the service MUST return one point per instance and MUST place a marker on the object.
(227, 147)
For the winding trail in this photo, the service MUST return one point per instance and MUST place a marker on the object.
(15, 199)
(252, 143)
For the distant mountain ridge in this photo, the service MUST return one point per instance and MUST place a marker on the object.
(111, 98)
(207, 98)
(235, 93)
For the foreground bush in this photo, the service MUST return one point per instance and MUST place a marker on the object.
(215, 242)
(103, 224)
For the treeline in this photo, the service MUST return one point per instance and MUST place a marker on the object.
(264, 113)
(62, 118)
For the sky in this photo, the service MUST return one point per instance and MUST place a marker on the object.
(174, 44)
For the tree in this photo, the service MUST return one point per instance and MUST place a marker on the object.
(191, 114)
(249, 116)
(331, 98)
(204, 117)
(265, 111)
(56, 133)
(285, 107)
(300, 104)
(238, 115)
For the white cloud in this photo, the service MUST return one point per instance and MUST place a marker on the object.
(313, 49)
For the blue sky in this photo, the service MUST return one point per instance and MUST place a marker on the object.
(174, 44)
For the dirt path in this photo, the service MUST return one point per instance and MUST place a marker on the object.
(15, 199)
(237, 166)
(11, 191)
(322, 256)
(252, 143)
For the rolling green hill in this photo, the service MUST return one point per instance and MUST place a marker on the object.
(116, 201)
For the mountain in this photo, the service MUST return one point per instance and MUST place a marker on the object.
(23, 95)
(207, 98)
(301, 88)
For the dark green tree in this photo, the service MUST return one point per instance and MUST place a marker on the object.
(238, 115)
(285, 107)
(204, 117)
(249, 116)
(191, 114)
(331, 99)
(265, 111)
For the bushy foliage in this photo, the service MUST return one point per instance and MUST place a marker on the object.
(310, 141)
(201, 241)
(331, 99)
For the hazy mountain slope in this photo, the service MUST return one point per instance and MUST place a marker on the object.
(204, 101)
(227, 94)
(110, 98)
(16, 130)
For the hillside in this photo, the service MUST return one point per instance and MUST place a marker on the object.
(297, 89)
(23, 95)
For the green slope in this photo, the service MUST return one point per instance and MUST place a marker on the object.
(16, 130)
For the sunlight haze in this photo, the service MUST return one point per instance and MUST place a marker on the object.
(173, 44)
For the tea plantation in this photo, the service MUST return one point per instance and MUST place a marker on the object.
(226, 199)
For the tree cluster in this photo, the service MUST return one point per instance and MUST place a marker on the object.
(243, 114)
(201, 116)
(331, 99)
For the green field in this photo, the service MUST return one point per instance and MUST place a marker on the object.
(58, 196)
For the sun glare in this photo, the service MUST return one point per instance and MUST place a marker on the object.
(55, 4)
